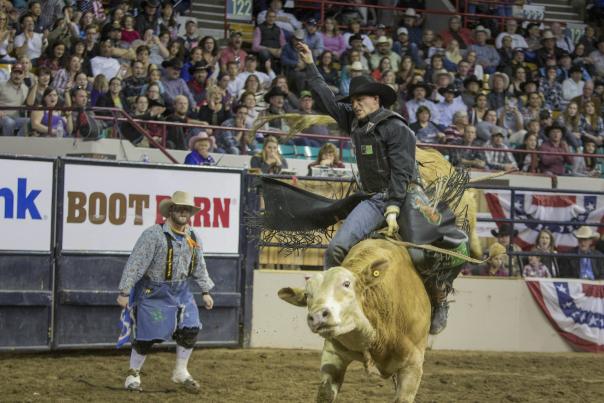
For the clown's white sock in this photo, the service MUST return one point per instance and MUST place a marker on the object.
(182, 360)
(136, 360)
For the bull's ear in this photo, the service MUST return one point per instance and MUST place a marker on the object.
(374, 271)
(295, 296)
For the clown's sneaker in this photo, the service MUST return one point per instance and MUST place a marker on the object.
(186, 380)
(133, 380)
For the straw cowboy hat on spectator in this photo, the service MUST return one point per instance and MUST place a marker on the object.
(585, 232)
(548, 35)
(383, 39)
(410, 12)
(481, 28)
(178, 198)
(356, 66)
(506, 79)
(202, 136)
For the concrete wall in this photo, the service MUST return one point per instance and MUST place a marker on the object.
(488, 314)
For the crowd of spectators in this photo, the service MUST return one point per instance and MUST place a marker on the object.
(526, 86)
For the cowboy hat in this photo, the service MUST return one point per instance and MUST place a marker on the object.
(504, 229)
(449, 88)
(481, 28)
(423, 85)
(355, 37)
(410, 12)
(201, 65)
(553, 127)
(364, 85)
(548, 35)
(356, 66)
(506, 79)
(472, 79)
(199, 137)
(496, 249)
(178, 198)
(383, 39)
(524, 84)
(173, 63)
(298, 35)
(151, 3)
(585, 232)
(275, 91)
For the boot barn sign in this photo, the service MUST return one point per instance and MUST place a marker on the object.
(106, 208)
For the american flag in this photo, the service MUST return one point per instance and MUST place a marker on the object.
(575, 309)
(575, 210)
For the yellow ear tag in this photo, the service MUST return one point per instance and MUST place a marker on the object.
(376, 273)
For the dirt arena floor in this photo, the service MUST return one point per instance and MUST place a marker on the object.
(292, 376)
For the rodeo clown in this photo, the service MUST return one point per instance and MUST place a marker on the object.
(157, 273)
(385, 152)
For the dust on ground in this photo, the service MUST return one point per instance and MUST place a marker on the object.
(264, 375)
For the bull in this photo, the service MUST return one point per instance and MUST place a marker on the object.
(373, 307)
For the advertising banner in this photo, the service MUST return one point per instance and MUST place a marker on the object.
(106, 208)
(25, 205)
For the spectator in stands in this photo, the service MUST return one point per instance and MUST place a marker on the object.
(251, 65)
(312, 38)
(587, 96)
(533, 38)
(36, 91)
(286, 21)
(59, 125)
(468, 158)
(215, 111)
(234, 141)
(306, 108)
(198, 82)
(456, 32)
(425, 130)
(563, 41)
(114, 98)
(505, 237)
(140, 111)
(554, 164)
(590, 267)
(548, 50)
(454, 132)
(535, 268)
(383, 65)
(384, 49)
(269, 160)
(173, 84)
(148, 18)
(495, 266)
(533, 106)
(53, 58)
(30, 43)
(486, 55)
(551, 89)
(528, 162)
(450, 106)
(547, 244)
(510, 118)
(200, 145)
(191, 37)
(291, 101)
(348, 73)
(498, 83)
(293, 66)
(355, 30)
(584, 165)
(591, 125)
(327, 69)
(486, 127)
(597, 56)
(333, 40)
(268, 39)
(410, 21)
(421, 91)
(404, 47)
(233, 51)
(570, 120)
(177, 135)
(511, 27)
(479, 109)
(105, 63)
(85, 124)
(249, 100)
(573, 86)
(13, 92)
(355, 53)
(328, 157)
(475, 68)
(499, 160)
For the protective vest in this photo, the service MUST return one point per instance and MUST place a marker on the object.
(270, 36)
(372, 161)
(170, 257)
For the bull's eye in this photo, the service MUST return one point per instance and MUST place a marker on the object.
(346, 284)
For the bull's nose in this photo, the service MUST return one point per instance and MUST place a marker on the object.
(318, 318)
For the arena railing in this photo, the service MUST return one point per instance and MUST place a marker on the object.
(323, 4)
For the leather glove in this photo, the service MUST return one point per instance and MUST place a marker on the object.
(391, 215)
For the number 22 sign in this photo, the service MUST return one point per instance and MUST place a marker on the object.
(239, 10)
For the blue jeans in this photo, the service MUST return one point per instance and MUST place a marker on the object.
(366, 217)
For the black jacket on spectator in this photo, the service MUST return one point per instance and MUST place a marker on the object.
(175, 136)
(269, 37)
(213, 118)
(571, 267)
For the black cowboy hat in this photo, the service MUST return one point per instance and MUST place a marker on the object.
(174, 63)
(201, 65)
(449, 88)
(275, 91)
(365, 85)
(353, 37)
(552, 127)
(472, 79)
(152, 3)
(505, 229)
(423, 85)
(524, 84)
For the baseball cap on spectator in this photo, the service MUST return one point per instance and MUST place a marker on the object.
(311, 21)
(305, 94)
(18, 67)
(356, 66)
(235, 33)
(299, 35)
(355, 37)
(173, 63)
(402, 30)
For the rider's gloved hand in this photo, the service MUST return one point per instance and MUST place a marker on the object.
(391, 215)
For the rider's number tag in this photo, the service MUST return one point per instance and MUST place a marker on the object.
(367, 149)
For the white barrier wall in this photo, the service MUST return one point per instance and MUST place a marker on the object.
(488, 314)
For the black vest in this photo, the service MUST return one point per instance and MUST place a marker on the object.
(270, 36)
(372, 160)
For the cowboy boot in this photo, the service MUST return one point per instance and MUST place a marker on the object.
(440, 311)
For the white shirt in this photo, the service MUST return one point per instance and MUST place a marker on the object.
(446, 111)
(366, 41)
(265, 79)
(105, 65)
(518, 41)
(413, 105)
(571, 89)
(34, 45)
